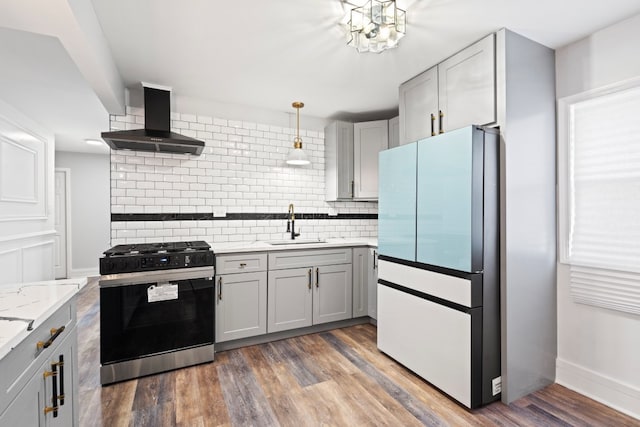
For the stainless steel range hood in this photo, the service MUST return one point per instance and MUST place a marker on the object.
(156, 135)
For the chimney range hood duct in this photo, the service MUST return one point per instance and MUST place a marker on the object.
(156, 135)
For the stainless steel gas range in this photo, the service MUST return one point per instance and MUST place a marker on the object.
(156, 308)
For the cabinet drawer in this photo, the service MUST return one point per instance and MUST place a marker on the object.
(241, 263)
(308, 258)
(20, 364)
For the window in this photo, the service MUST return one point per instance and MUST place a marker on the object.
(599, 177)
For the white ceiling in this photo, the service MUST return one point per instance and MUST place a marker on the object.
(267, 54)
(40, 79)
(67, 65)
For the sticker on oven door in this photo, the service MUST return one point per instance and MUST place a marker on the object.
(162, 292)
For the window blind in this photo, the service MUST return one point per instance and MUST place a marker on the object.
(604, 199)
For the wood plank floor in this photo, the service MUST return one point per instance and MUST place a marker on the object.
(333, 378)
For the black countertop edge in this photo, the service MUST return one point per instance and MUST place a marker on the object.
(232, 216)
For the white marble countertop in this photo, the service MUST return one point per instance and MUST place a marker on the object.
(23, 307)
(258, 246)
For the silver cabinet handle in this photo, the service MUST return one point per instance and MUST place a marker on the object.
(317, 277)
(243, 264)
(375, 258)
(219, 288)
(310, 278)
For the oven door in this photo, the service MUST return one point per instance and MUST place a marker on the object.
(166, 314)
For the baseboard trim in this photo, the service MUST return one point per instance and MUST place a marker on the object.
(611, 392)
(275, 336)
(84, 272)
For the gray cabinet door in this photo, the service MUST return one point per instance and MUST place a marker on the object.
(418, 100)
(28, 407)
(360, 282)
(333, 293)
(372, 283)
(66, 358)
(394, 132)
(241, 305)
(467, 88)
(289, 299)
(369, 138)
(338, 137)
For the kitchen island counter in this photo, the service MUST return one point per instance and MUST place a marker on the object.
(25, 306)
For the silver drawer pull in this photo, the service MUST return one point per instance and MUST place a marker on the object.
(243, 264)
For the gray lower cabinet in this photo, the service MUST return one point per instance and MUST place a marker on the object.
(300, 297)
(290, 300)
(365, 278)
(332, 298)
(241, 305)
(241, 296)
(309, 287)
(48, 398)
(373, 283)
(360, 282)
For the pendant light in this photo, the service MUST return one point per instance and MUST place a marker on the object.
(297, 156)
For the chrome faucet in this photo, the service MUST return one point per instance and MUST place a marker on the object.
(291, 223)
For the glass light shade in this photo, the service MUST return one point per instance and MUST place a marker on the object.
(376, 26)
(297, 157)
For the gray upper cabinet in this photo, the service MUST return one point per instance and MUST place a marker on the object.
(351, 159)
(369, 138)
(418, 100)
(338, 165)
(394, 132)
(467, 86)
(458, 92)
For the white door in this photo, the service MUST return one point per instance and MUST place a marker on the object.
(60, 238)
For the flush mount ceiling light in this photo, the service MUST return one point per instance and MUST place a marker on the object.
(297, 156)
(376, 26)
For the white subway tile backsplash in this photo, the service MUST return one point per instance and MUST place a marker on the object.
(241, 170)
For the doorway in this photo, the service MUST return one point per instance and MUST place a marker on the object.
(62, 237)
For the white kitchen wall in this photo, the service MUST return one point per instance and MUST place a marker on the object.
(241, 174)
(598, 349)
(90, 206)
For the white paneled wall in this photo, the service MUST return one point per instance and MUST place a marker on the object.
(26, 199)
(241, 171)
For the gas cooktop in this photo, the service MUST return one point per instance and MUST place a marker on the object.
(156, 256)
(154, 248)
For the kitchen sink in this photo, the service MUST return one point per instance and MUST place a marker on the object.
(296, 242)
